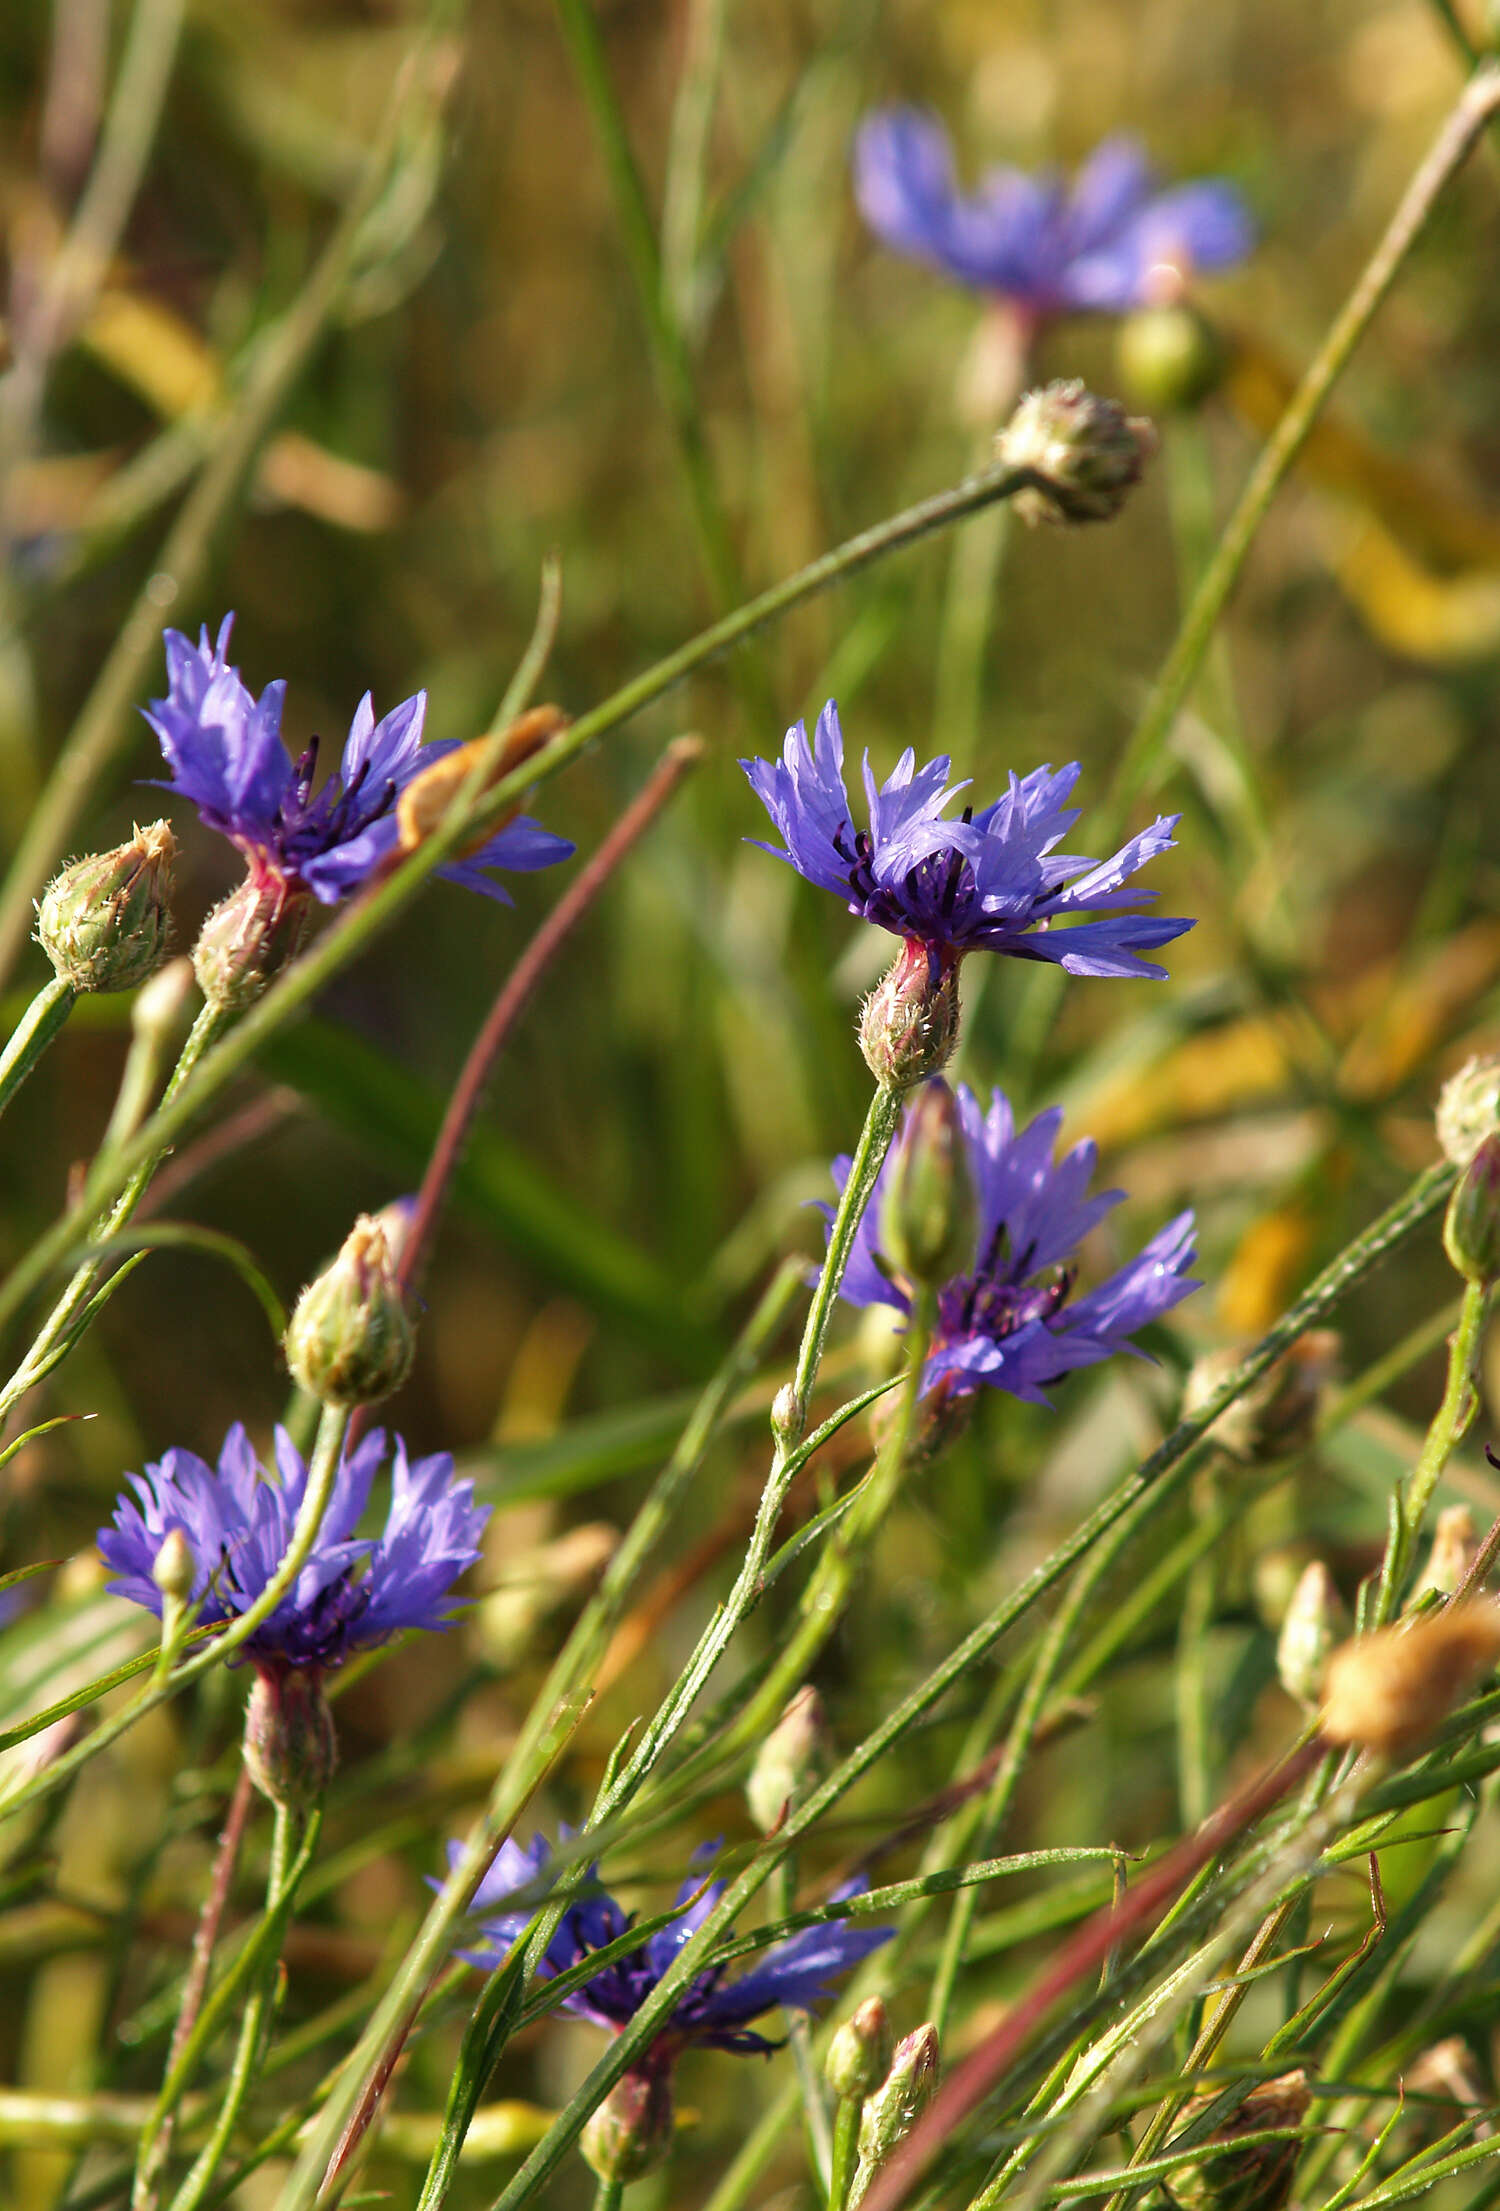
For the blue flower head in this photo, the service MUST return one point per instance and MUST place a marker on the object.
(225, 752)
(354, 1591)
(1109, 241)
(713, 2012)
(1012, 1321)
(992, 880)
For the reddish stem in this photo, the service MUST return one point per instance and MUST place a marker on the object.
(1078, 1960)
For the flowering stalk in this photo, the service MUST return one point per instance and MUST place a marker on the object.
(38, 1025)
(1449, 1425)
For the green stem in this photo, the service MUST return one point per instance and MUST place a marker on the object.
(1449, 1425)
(38, 1025)
(367, 917)
(1194, 1757)
(1476, 104)
(608, 2194)
(845, 2150)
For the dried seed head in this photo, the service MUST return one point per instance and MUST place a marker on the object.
(1086, 453)
(1388, 1691)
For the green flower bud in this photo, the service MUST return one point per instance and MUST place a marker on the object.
(349, 1341)
(790, 1762)
(631, 2132)
(1169, 357)
(894, 2109)
(860, 2052)
(290, 1749)
(909, 1024)
(1468, 1109)
(928, 1208)
(175, 1567)
(247, 939)
(1086, 453)
(103, 922)
(1255, 2179)
(1315, 1624)
(1471, 1230)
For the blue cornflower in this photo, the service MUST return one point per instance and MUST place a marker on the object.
(226, 754)
(1100, 245)
(990, 881)
(353, 1592)
(712, 2012)
(1012, 1321)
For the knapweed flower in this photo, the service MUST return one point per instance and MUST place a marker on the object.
(354, 1591)
(1109, 241)
(988, 881)
(713, 2011)
(225, 752)
(1011, 1322)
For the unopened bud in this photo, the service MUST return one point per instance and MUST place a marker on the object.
(860, 2051)
(909, 1023)
(1471, 1229)
(1390, 1690)
(175, 1567)
(162, 1011)
(1085, 452)
(784, 1417)
(1277, 1416)
(1169, 357)
(248, 939)
(1468, 1108)
(349, 1341)
(103, 922)
(396, 1221)
(1258, 2177)
(1455, 1545)
(630, 2133)
(790, 1762)
(928, 1206)
(291, 1750)
(896, 2106)
(1315, 1624)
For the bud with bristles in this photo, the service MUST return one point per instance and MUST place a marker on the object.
(860, 2051)
(790, 1762)
(630, 2133)
(247, 939)
(1277, 1416)
(1455, 1545)
(350, 1341)
(909, 1023)
(1086, 453)
(1258, 2177)
(928, 1206)
(290, 1747)
(1468, 1108)
(1471, 1229)
(1315, 1623)
(1388, 1691)
(1169, 357)
(103, 922)
(896, 2106)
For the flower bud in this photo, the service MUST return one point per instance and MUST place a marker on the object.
(784, 1422)
(1315, 1623)
(1471, 1229)
(349, 1341)
(1390, 1690)
(790, 1762)
(631, 2132)
(175, 1567)
(103, 922)
(246, 940)
(928, 1206)
(1086, 453)
(1455, 1545)
(1258, 2178)
(896, 2106)
(291, 1750)
(860, 2052)
(909, 1023)
(1169, 357)
(1468, 1108)
(1277, 1416)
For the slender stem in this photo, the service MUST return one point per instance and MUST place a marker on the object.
(608, 2195)
(1194, 1753)
(367, 917)
(845, 2150)
(1449, 1425)
(1451, 148)
(799, 2035)
(38, 1025)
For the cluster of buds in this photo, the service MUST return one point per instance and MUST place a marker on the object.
(1257, 2177)
(1083, 453)
(908, 1025)
(103, 923)
(350, 1341)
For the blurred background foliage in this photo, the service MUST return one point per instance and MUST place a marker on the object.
(484, 396)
